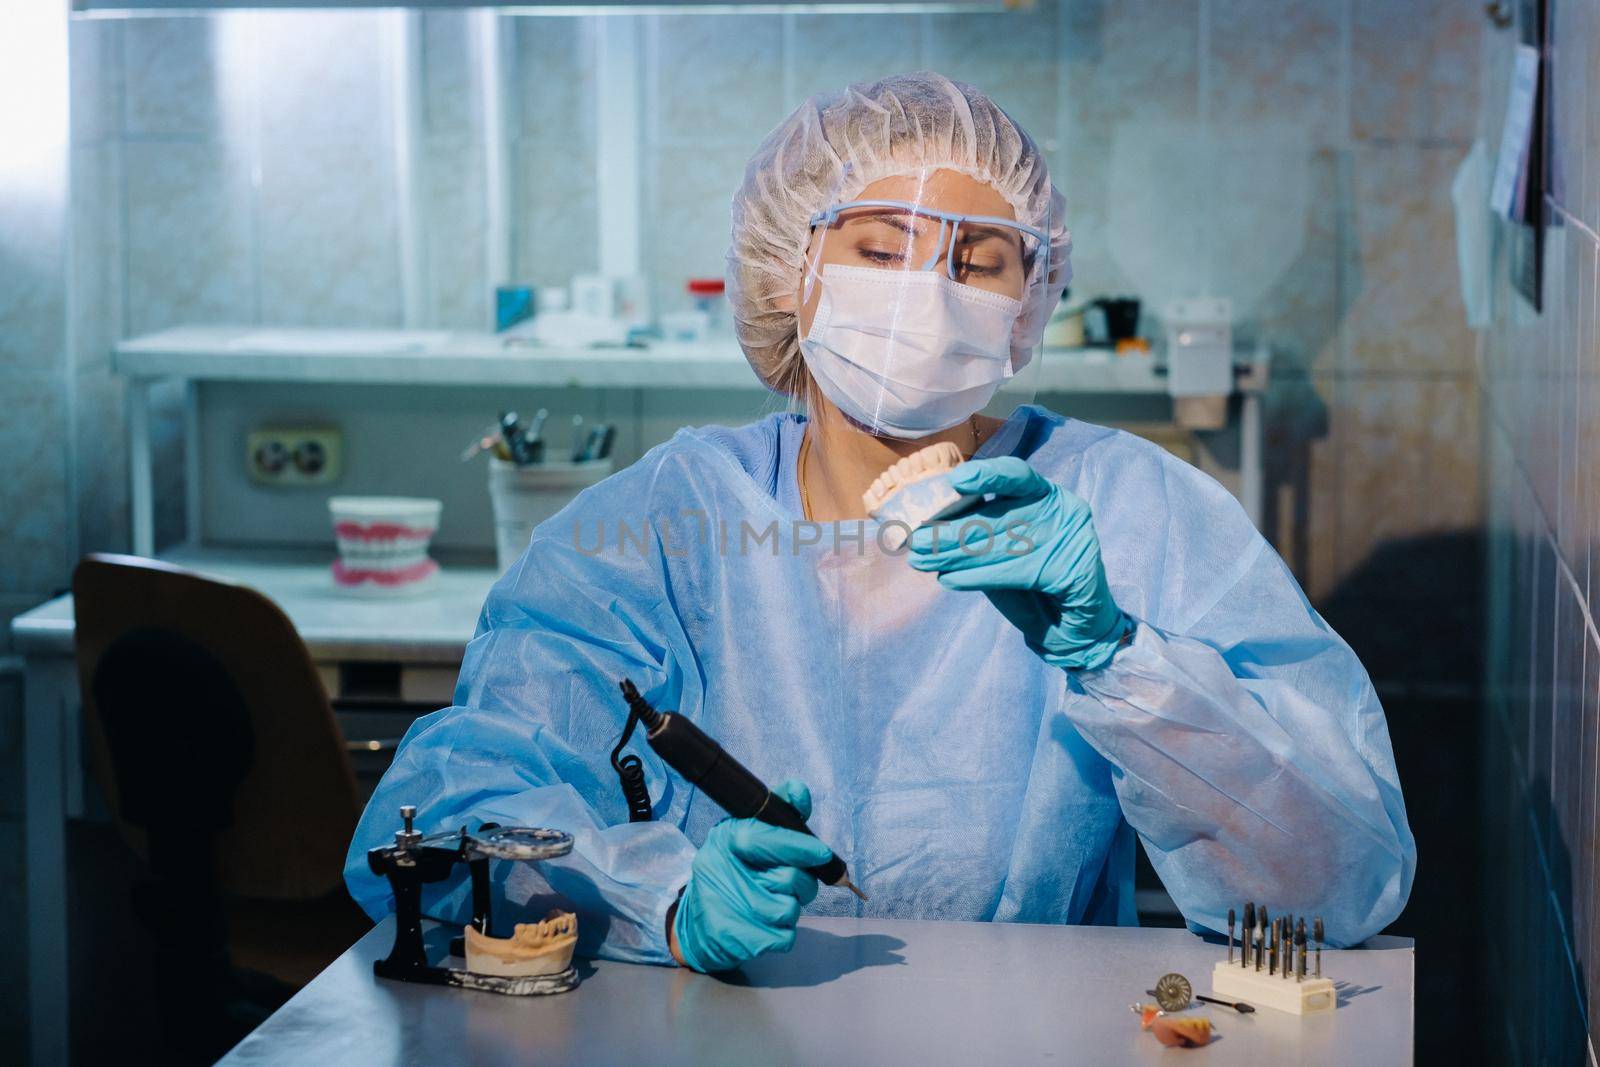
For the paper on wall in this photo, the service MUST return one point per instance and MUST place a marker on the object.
(1469, 193)
(1509, 194)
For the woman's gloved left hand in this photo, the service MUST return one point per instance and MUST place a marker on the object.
(1032, 550)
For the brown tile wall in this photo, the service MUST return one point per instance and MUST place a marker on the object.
(1370, 105)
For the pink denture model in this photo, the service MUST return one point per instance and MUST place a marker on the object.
(383, 543)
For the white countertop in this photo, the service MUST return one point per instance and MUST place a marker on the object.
(850, 991)
(395, 357)
(429, 627)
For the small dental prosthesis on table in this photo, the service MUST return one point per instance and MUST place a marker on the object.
(535, 960)
(914, 491)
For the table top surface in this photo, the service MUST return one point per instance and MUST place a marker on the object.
(851, 991)
(469, 358)
(428, 627)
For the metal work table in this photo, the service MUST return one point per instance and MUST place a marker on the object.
(444, 359)
(852, 991)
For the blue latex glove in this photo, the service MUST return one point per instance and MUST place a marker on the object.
(1034, 553)
(746, 888)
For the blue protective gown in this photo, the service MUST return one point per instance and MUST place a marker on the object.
(959, 775)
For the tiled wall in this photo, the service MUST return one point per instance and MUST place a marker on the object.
(248, 176)
(1361, 109)
(60, 487)
(1541, 379)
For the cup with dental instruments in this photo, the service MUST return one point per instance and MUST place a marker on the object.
(533, 474)
(511, 440)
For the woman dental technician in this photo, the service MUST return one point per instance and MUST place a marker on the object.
(986, 718)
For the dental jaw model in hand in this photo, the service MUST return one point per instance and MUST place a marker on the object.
(914, 491)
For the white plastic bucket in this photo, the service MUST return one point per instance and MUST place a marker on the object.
(523, 497)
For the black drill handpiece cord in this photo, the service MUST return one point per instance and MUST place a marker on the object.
(630, 770)
(687, 749)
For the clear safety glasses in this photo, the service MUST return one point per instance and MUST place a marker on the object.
(985, 251)
(898, 349)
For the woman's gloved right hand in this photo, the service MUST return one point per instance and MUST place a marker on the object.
(746, 889)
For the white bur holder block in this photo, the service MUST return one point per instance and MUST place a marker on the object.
(1313, 996)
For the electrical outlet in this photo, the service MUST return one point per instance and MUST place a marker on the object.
(294, 455)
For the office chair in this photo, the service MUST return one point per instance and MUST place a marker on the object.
(212, 738)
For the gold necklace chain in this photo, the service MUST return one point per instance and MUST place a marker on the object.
(805, 494)
(805, 454)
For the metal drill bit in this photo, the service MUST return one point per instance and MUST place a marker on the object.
(1246, 934)
(536, 424)
(1272, 948)
(486, 439)
(1316, 928)
(1237, 1005)
(1300, 948)
(1261, 923)
(1230, 935)
(577, 438)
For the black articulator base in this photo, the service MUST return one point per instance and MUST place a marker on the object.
(415, 860)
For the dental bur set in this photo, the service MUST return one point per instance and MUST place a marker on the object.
(1271, 968)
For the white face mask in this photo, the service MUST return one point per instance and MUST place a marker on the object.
(908, 353)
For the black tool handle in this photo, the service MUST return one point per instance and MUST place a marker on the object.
(517, 443)
(706, 765)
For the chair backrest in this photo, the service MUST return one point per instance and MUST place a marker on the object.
(202, 705)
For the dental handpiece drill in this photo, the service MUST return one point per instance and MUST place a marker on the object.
(706, 765)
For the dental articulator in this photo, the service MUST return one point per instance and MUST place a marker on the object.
(535, 960)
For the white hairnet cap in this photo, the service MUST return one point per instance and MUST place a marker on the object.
(835, 145)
